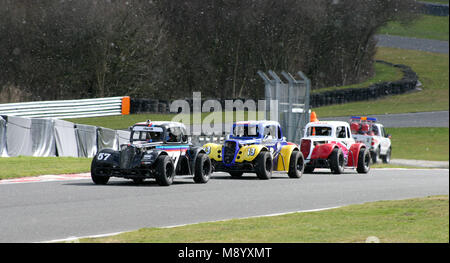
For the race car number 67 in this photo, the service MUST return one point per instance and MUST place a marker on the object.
(103, 156)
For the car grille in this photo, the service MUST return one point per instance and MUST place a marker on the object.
(126, 156)
(229, 151)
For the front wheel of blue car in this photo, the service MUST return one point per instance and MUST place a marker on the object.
(264, 165)
(165, 170)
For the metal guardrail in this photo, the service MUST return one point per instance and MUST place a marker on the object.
(66, 108)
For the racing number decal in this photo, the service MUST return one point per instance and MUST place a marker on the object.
(103, 156)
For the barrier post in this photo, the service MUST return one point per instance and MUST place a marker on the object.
(126, 105)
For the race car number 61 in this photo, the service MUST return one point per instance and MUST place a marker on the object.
(103, 156)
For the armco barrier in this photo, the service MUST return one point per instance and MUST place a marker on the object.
(68, 108)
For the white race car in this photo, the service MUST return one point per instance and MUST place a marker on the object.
(366, 130)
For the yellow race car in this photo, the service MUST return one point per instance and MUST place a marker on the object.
(256, 147)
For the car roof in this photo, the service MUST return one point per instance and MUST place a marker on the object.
(257, 122)
(166, 124)
(328, 123)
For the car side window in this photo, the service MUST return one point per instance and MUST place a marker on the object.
(270, 132)
(383, 132)
(340, 132)
(174, 134)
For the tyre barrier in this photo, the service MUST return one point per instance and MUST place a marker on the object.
(433, 9)
(408, 83)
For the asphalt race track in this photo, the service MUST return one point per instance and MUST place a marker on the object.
(429, 45)
(418, 119)
(36, 212)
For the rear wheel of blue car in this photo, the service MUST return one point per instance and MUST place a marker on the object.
(202, 169)
(165, 170)
(98, 175)
(296, 165)
(264, 165)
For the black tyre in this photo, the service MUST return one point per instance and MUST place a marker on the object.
(387, 158)
(375, 155)
(308, 169)
(363, 161)
(99, 176)
(296, 165)
(165, 170)
(264, 165)
(337, 161)
(202, 171)
(236, 174)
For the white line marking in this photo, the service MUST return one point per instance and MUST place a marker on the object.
(76, 239)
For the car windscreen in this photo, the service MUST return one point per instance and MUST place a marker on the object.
(319, 131)
(245, 131)
(147, 134)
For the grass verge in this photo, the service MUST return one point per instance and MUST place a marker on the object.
(383, 73)
(420, 143)
(432, 69)
(426, 26)
(411, 220)
(15, 167)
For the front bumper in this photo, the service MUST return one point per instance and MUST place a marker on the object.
(318, 163)
(245, 167)
(135, 172)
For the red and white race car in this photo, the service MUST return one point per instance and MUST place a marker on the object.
(368, 131)
(329, 144)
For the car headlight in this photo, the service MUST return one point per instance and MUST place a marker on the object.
(207, 149)
(251, 151)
